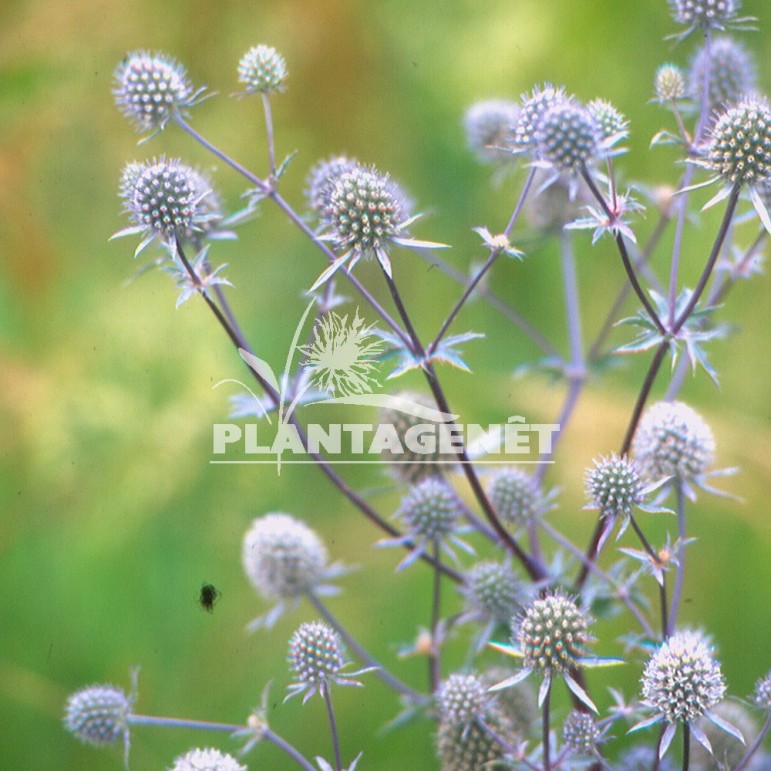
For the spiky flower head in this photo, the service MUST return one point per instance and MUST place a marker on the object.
(567, 136)
(410, 416)
(490, 128)
(739, 144)
(262, 69)
(321, 181)
(669, 83)
(682, 680)
(673, 440)
(762, 693)
(208, 759)
(98, 715)
(150, 89)
(611, 123)
(614, 485)
(283, 557)
(461, 699)
(430, 508)
(316, 656)
(493, 591)
(581, 733)
(516, 704)
(533, 107)
(551, 633)
(516, 496)
(367, 211)
(731, 73)
(166, 198)
(704, 13)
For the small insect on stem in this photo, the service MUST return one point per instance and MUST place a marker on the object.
(208, 597)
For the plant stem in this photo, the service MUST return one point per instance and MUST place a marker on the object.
(269, 134)
(434, 658)
(686, 746)
(332, 726)
(677, 592)
(545, 729)
(534, 569)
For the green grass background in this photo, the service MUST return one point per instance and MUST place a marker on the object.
(111, 515)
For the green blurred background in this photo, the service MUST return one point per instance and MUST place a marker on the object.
(112, 515)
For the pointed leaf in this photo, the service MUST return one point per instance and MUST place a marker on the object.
(262, 368)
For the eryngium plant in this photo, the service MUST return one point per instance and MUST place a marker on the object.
(514, 569)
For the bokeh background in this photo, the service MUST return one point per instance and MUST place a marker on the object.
(112, 516)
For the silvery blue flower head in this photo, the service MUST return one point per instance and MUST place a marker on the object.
(285, 559)
(167, 200)
(682, 682)
(731, 73)
(262, 69)
(737, 152)
(489, 127)
(367, 214)
(206, 759)
(707, 14)
(151, 89)
(550, 637)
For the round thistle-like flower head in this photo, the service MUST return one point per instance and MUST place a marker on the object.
(367, 210)
(461, 699)
(672, 440)
(580, 732)
(551, 633)
(682, 680)
(739, 147)
(321, 181)
(762, 693)
(614, 485)
(489, 129)
(533, 107)
(704, 13)
(567, 136)
(150, 88)
(98, 715)
(315, 653)
(164, 197)
(493, 591)
(430, 508)
(515, 496)
(208, 759)
(669, 83)
(731, 73)
(262, 69)
(415, 460)
(282, 556)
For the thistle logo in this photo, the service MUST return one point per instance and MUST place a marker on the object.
(342, 358)
(340, 366)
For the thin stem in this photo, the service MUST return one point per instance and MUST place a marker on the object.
(332, 726)
(361, 653)
(677, 592)
(173, 722)
(494, 301)
(743, 763)
(686, 746)
(494, 254)
(253, 178)
(619, 238)
(545, 729)
(282, 744)
(534, 569)
(269, 133)
(434, 658)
